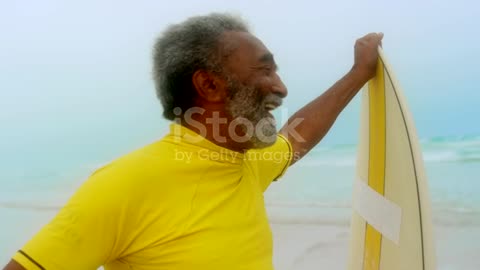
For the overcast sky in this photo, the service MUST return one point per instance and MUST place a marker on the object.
(85, 65)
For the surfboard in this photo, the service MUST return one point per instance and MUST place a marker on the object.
(391, 224)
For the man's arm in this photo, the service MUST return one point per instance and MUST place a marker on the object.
(319, 115)
(13, 265)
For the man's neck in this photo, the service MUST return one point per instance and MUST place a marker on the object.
(214, 126)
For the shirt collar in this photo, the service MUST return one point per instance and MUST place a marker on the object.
(181, 134)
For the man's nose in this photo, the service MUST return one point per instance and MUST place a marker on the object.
(279, 88)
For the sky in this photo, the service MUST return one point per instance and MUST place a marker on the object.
(80, 71)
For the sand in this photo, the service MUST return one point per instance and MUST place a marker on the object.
(308, 247)
(296, 246)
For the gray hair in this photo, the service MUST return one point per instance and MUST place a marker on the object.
(185, 48)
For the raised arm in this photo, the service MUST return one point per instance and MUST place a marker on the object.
(313, 121)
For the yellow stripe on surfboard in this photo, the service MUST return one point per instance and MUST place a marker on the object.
(376, 165)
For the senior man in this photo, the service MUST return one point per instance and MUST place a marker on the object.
(194, 199)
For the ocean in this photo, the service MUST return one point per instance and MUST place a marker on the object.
(316, 190)
(324, 178)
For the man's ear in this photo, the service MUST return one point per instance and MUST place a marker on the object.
(209, 86)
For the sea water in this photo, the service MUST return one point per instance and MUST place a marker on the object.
(322, 182)
(37, 178)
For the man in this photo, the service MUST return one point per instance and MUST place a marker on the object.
(194, 200)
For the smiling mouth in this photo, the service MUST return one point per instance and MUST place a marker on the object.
(272, 106)
(269, 107)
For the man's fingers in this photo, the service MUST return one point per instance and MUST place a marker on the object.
(366, 54)
(373, 37)
(380, 38)
(370, 36)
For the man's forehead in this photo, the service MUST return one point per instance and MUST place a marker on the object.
(246, 44)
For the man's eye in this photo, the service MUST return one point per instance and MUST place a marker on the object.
(267, 69)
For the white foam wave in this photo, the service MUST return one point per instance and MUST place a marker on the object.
(435, 150)
(29, 206)
(339, 213)
(347, 161)
(292, 204)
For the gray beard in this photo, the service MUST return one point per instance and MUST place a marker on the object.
(248, 104)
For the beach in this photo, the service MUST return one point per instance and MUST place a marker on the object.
(309, 247)
(296, 246)
(309, 208)
(79, 88)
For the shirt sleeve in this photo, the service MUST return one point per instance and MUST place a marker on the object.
(272, 162)
(84, 233)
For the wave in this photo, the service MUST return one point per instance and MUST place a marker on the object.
(291, 204)
(348, 205)
(29, 206)
(308, 213)
(339, 213)
(447, 221)
(345, 221)
(459, 149)
(347, 161)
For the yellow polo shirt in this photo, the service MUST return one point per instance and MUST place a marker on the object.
(180, 203)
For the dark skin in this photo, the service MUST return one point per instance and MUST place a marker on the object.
(252, 63)
(13, 265)
(330, 104)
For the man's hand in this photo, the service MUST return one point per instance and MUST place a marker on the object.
(319, 115)
(366, 55)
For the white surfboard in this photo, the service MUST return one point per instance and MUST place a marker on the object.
(391, 222)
